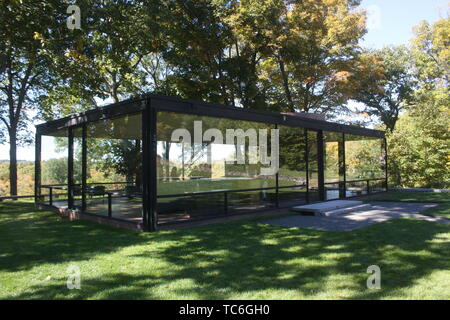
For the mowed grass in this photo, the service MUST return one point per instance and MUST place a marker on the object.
(443, 198)
(234, 260)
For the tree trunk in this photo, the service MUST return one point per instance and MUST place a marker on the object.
(166, 156)
(396, 174)
(138, 172)
(287, 91)
(13, 162)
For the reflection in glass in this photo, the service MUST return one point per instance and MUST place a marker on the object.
(54, 155)
(114, 167)
(191, 165)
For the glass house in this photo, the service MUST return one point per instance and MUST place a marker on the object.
(154, 160)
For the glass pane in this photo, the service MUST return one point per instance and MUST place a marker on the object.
(356, 188)
(364, 157)
(202, 154)
(114, 167)
(313, 180)
(54, 164)
(333, 164)
(292, 165)
(77, 166)
(377, 186)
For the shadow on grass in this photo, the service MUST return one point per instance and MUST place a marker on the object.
(29, 237)
(232, 260)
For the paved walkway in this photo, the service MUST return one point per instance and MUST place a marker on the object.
(380, 211)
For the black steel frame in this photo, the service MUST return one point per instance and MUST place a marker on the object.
(149, 105)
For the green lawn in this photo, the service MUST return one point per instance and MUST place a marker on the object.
(443, 198)
(242, 259)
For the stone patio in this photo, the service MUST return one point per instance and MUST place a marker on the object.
(379, 212)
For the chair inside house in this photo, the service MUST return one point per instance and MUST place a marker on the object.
(96, 191)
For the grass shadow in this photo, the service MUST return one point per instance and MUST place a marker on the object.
(232, 260)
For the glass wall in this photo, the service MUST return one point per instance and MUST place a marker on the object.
(365, 165)
(54, 155)
(205, 166)
(77, 166)
(202, 169)
(333, 170)
(114, 167)
(292, 173)
(313, 169)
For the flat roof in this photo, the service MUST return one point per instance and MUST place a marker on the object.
(188, 106)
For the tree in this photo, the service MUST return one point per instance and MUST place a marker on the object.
(420, 144)
(432, 52)
(55, 171)
(385, 83)
(103, 61)
(124, 157)
(197, 42)
(29, 32)
(313, 50)
(274, 55)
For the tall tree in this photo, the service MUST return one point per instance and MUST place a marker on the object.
(420, 144)
(104, 60)
(385, 83)
(197, 42)
(318, 52)
(275, 54)
(28, 32)
(432, 52)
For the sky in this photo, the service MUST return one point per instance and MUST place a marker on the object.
(390, 22)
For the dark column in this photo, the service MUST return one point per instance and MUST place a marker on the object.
(37, 168)
(152, 173)
(83, 167)
(305, 134)
(70, 171)
(277, 182)
(149, 215)
(341, 157)
(145, 163)
(320, 165)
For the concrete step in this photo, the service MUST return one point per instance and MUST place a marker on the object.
(336, 212)
(319, 208)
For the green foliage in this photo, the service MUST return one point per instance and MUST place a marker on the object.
(124, 157)
(364, 159)
(385, 83)
(25, 183)
(432, 52)
(274, 55)
(55, 171)
(419, 148)
(292, 148)
(31, 34)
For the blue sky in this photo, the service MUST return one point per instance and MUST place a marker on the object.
(390, 23)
